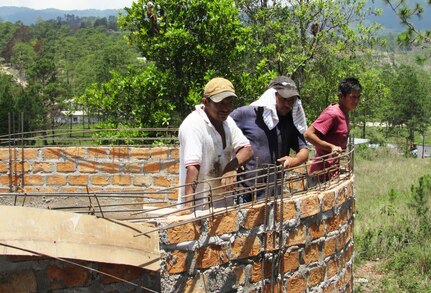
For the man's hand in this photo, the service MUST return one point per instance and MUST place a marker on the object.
(336, 149)
(228, 180)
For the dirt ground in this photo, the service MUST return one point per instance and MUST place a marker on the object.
(367, 277)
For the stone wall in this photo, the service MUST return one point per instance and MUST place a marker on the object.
(248, 250)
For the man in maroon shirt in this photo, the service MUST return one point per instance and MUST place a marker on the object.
(330, 131)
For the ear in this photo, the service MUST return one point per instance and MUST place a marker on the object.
(205, 101)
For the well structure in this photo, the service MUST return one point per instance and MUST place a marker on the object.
(104, 219)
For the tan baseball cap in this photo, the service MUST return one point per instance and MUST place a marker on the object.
(218, 89)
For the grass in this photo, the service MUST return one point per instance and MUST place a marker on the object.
(389, 218)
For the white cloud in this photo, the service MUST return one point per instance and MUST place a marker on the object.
(68, 4)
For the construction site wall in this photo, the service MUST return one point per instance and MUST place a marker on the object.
(89, 169)
(301, 243)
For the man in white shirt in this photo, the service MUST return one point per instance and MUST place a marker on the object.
(211, 146)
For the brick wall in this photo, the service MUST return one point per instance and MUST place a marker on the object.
(89, 169)
(25, 274)
(248, 249)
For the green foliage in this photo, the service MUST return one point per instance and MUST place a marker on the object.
(410, 100)
(395, 227)
(187, 40)
(138, 99)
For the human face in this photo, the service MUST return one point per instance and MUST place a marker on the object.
(218, 112)
(350, 101)
(284, 106)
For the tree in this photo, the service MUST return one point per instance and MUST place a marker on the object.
(410, 101)
(189, 40)
(412, 36)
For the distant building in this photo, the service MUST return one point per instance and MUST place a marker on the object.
(75, 117)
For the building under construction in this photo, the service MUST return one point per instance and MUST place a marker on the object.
(105, 219)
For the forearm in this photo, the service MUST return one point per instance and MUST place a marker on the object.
(190, 188)
(242, 157)
(311, 136)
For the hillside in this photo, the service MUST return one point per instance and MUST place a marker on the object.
(29, 16)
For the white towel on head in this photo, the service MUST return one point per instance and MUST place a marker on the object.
(270, 117)
(268, 102)
(298, 116)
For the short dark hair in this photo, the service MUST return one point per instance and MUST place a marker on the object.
(348, 84)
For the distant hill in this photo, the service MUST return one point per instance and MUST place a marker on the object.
(29, 16)
(387, 19)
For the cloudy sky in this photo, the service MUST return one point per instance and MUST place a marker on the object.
(68, 4)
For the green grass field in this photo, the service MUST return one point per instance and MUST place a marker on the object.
(391, 224)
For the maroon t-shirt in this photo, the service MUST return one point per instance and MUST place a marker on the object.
(332, 126)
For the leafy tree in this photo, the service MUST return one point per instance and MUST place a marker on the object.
(190, 41)
(139, 99)
(412, 36)
(410, 101)
(6, 102)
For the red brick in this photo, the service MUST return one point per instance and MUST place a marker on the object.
(31, 153)
(160, 153)
(142, 180)
(121, 180)
(175, 154)
(67, 277)
(290, 261)
(296, 284)
(183, 233)
(316, 230)
(316, 276)
(311, 253)
(109, 167)
(140, 153)
(223, 223)
(18, 281)
(35, 180)
(42, 167)
(309, 206)
(87, 167)
(66, 167)
(272, 239)
(100, 179)
(329, 288)
(119, 152)
(52, 153)
(297, 236)
(328, 200)
(340, 197)
(133, 167)
(255, 217)
(245, 247)
(329, 247)
(56, 180)
(152, 167)
(171, 167)
(210, 256)
(161, 181)
(289, 211)
(176, 262)
(74, 152)
(4, 167)
(97, 153)
(332, 223)
(78, 180)
(256, 271)
(124, 272)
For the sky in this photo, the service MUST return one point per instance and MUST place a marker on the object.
(68, 4)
